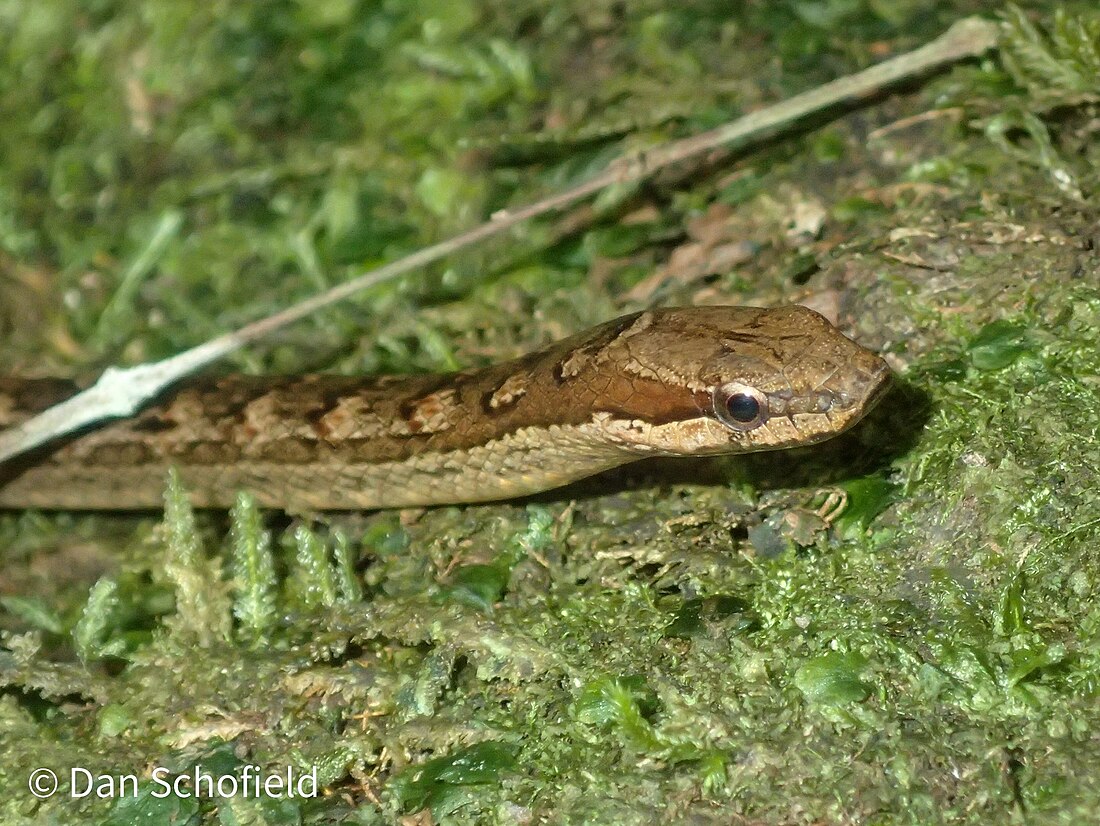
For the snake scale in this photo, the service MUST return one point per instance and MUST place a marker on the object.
(667, 382)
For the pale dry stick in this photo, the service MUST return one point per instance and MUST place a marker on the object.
(121, 391)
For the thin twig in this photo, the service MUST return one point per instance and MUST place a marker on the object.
(121, 391)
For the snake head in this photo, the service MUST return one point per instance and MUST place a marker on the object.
(742, 379)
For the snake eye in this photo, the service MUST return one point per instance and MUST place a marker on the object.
(740, 407)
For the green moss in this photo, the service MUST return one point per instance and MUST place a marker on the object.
(441, 784)
(898, 626)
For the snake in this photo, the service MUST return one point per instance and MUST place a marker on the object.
(680, 381)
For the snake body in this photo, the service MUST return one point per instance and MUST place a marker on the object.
(666, 382)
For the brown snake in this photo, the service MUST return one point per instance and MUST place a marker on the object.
(669, 382)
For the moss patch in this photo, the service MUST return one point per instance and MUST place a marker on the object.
(898, 626)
